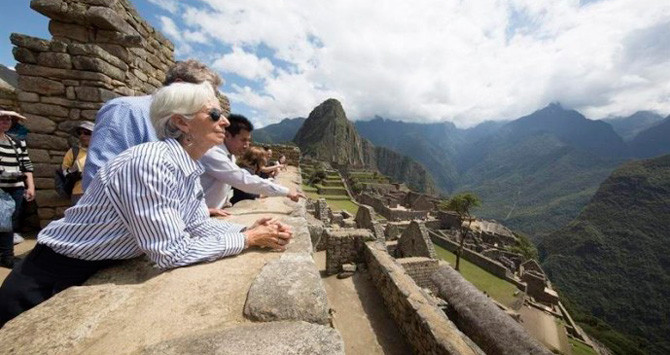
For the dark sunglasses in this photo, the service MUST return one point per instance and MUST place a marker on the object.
(84, 132)
(215, 114)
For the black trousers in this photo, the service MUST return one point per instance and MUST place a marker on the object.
(42, 274)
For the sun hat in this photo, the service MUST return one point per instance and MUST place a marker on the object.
(12, 114)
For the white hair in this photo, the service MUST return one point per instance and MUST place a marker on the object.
(178, 98)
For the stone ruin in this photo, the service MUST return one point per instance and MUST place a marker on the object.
(100, 49)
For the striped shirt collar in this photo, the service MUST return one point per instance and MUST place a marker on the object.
(183, 160)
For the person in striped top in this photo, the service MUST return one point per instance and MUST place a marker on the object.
(146, 201)
(16, 179)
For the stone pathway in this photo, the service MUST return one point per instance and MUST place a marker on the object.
(360, 315)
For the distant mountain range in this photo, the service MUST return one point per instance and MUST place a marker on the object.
(534, 173)
(613, 260)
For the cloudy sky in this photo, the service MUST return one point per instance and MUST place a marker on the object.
(426, 60)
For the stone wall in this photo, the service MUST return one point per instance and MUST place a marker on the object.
(100, 49)
(390, 214)
(420, 270)
(483, 262)
(418, 317)
(345, 246)
(480, 319)
(291, 152)
(8, 97)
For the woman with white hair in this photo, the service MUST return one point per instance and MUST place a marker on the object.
(147, 200)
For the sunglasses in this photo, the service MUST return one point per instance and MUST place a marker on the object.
(215, 114)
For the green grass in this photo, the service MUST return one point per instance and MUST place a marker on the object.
(335, 202)
(501, 290)
(579, 348)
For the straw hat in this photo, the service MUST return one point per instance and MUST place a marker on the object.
(12, 114)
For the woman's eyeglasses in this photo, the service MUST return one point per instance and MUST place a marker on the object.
(215, 114)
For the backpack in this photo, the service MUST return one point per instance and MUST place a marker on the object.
(65, 183)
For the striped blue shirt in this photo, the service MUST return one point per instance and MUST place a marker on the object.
(121, 123)
(147, 200)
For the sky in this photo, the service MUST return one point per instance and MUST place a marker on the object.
(417, 61)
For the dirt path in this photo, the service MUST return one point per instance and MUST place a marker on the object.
(360, 315)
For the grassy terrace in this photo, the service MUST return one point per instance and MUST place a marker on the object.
(501, 290)
(336, 202)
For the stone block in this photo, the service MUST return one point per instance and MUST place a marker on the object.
(57, 73)
(44, 183)
(89, 114)
(70, 30)
(24, 55)
(58, 46)
(41, 85)
(97, 65)
(39, 124)
(107, 19)
(54, 60)
(289, 288)
(32, 43)
(27, 96)
(39, 155)
(49, 198)
(290, 338)
(97, 51)
(55, 9)
(57, 113)
(87, 93)
(69, 93)
(46, 141)
(75, 113)
(117, 38)
(117, 51)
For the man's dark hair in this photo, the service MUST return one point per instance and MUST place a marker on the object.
(192, 71)
(238, 123)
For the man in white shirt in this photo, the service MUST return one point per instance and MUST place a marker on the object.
(221, 172)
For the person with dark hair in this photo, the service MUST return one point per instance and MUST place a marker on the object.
(124, 122)
(221, 172)
(16, 179)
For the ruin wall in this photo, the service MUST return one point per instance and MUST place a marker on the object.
(420, 270)
(483, 262)
(420, 320)
(99, 50)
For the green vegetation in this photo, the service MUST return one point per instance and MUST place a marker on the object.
(499, 289)
(461, 204)
(613, 261)
(579, 348)
(525, 247)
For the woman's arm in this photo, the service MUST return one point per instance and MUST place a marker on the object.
(30, 187)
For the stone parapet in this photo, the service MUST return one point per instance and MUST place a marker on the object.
(420, 320)
(134, 307)
(480, 319)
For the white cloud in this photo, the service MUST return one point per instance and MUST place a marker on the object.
(430, 60)
(246, 65)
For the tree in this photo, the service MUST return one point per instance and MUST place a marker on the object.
(461, 204)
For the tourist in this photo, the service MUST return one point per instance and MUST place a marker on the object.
(146, 201)
(124, 122)
(16, 179)
(221, 172)
(75, 165)
(253, 160)
(269, 171)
